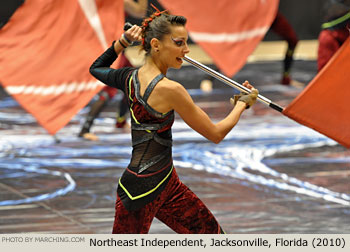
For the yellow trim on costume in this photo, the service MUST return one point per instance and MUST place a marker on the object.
(120, 119)
(290, 52)
(146, 193)
(133, 116)
(130, 80)
(131, 111)
(336, 21)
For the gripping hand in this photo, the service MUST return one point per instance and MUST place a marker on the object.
(248, 99)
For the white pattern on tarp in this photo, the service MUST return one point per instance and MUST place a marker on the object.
(228, 37)
(90, 10)
(53, 89)
(240, 155)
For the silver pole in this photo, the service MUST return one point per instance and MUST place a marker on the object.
(231, 83)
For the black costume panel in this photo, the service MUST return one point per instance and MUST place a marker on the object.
(151, 162)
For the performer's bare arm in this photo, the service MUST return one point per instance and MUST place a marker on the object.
(170, 95)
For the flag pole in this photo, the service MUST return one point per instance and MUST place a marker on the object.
(231, 83)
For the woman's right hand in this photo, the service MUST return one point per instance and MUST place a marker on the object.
(248, 99)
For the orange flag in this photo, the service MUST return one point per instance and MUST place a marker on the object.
(46, 50)
(227, 30)
(324, 104)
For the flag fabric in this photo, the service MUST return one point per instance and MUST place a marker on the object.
(324, 104)
(46, 50)
(227, 30)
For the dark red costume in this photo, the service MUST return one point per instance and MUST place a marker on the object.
(334, 30)
(150, 187)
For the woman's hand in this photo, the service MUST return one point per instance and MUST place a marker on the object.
(248, 99)
(133, 34)
(127, 38)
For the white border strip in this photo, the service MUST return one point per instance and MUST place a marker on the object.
(90, 10)
(228, 37)
(53, 89)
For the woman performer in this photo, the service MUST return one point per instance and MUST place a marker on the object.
(150, 187)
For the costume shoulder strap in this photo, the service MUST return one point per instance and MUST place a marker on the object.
(151, 86)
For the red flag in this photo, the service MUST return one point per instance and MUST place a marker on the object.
(45, 52)
(227, 30)
(324, 104)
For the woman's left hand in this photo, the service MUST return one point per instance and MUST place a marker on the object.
(134, 33)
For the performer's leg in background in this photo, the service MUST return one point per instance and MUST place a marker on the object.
(281, 27)
(123, 106)
(103, 97)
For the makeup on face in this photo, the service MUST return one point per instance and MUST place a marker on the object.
(178, 41)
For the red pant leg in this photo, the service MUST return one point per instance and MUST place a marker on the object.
(133, 222)
(185, 213)
(139, 222)
(282, 27)
(107, 90)
(177, 206)
(329, 42)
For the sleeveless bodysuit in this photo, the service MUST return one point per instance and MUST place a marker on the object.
(151, 163)
(149, 186)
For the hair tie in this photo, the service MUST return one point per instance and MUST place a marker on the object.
(158, 12)
(154, 7)
(146, 22)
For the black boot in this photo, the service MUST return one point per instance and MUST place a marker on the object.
(95, 110)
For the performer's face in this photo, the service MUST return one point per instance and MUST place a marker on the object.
(174, 46)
